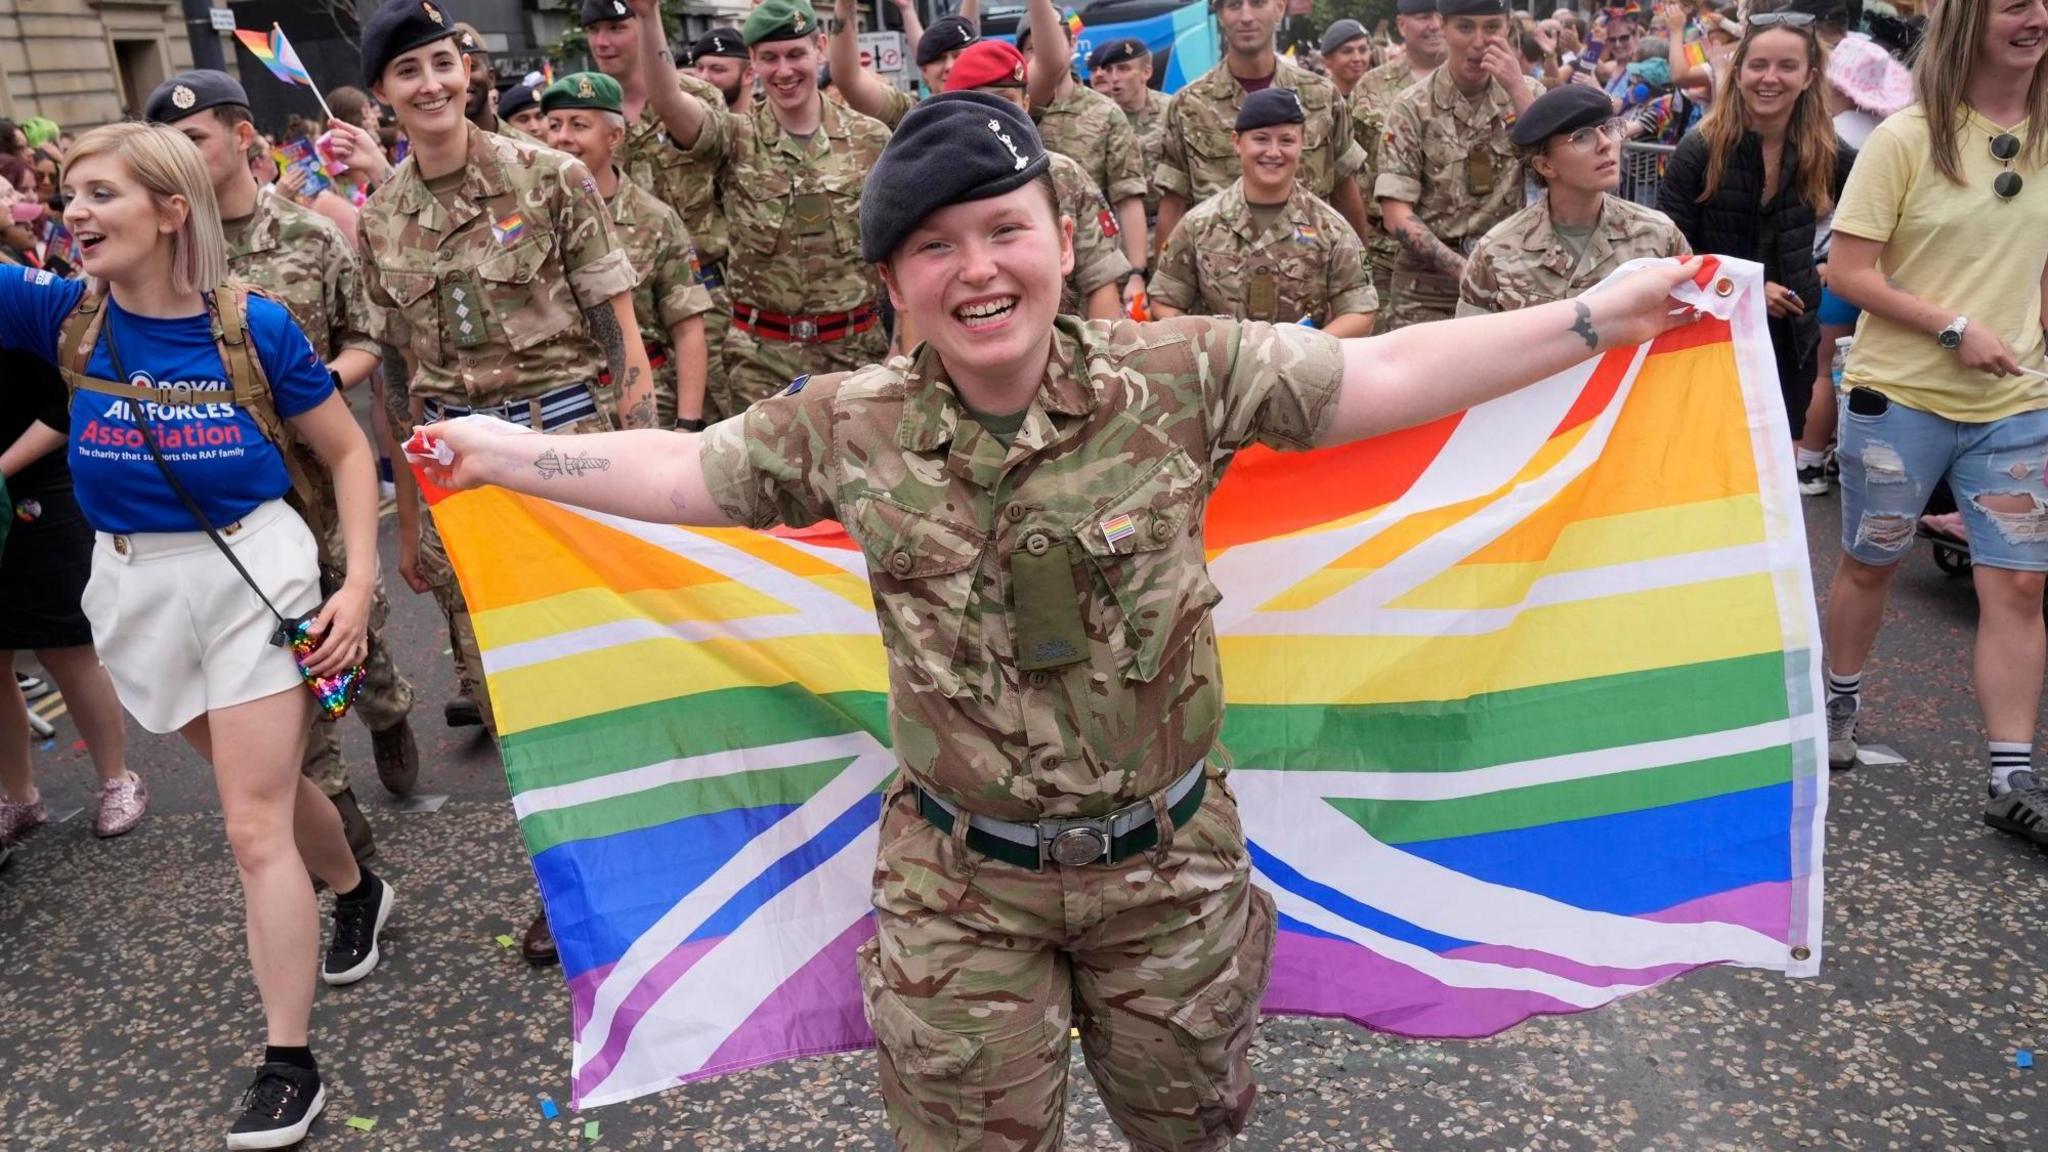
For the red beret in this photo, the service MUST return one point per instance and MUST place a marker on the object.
(986, 64)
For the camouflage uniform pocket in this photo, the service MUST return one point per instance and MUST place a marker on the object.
(1215, 1024)
(931, 1080)
(525, 309)
(1146, 544)
(922, 570)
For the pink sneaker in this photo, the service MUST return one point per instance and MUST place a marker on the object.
(17, 820)
(122, 803)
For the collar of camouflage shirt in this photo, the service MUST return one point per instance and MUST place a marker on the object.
(485, 178)
(831, 126)
(932, 410)
(1224, 86)
(261, 234)
(1239, 209)
(1491, 103)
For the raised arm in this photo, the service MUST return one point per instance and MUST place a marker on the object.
(1417, 374)
(913, 29)
(1049, 61)
(644, 474)
(864, 91)
(681, 114)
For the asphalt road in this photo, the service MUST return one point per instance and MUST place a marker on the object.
(128, 1019)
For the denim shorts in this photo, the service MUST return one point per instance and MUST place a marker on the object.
(1891, 461)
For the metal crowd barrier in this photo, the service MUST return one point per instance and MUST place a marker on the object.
(1642, 167)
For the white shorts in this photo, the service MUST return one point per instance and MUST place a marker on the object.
(178, 628)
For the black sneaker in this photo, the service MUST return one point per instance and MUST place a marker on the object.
(278, 1108)
(462, 712)
(2021, 809)
(1814, 481)
(352, 953)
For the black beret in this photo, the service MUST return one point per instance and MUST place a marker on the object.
(1267, 107)
(598, 11)
(1116, 52)
(398, 27)
(1565, 108)
(1415, 7)
(1472, 7)
(947, 34)
(190, 92)
(950, 149)
(1338, 34)
(516, 99)
(720, 41)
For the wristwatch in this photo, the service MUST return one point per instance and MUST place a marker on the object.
(1951, 337)
(690, 423)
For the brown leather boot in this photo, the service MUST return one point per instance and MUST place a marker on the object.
(398, 758)
(538, 945)
(360, 842)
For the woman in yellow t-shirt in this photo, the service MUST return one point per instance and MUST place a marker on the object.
(1942, 240)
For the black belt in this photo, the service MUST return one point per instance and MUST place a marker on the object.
(1071, 842)
(558, 408)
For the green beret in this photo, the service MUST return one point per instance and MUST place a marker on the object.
(779, 20)
(584, 90)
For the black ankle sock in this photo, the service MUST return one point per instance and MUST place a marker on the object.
(301, 1057)
(365, 888)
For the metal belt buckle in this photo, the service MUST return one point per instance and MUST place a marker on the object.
(1073, 843)
(803, 331)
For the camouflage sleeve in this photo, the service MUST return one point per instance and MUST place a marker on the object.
(715, 139)
(1349, 284)
(1126, 161)
(1401, 163)
(1175, 281)
(592, 257)
(347, 302)
(1173, 174)
(772, 463)
(677, 295)
(1278, 387)
(1678, 245)
(896, 104)
(1098, 258)
(1350, 158)
(385, 319)
(1479, 288)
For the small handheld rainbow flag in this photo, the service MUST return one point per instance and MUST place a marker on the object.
(277, 55)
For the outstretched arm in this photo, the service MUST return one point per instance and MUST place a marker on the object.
(1049, 61)
(642, 474)
(864, 91)
(1417, 374)
(682, 115)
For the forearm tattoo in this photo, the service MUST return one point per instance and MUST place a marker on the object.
(1582, 327)
(551, 464)
(1432, 254)
(603, 325)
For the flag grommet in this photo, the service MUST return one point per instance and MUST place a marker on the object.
(1802, 952)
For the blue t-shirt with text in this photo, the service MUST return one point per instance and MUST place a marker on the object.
(216, 450)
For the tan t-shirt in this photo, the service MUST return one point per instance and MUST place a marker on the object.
(1955, 245)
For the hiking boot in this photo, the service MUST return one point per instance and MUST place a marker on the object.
(462, 712)
(18, 820)
(122, 803)
(278, 1107)
(1842, 732)
(360, 843)
(352, 950)
(398, 758)
(2022, 809)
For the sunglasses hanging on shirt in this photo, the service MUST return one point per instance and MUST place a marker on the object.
(2005, 148)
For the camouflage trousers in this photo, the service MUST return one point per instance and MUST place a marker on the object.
(756, 368)
(717, 323)
(386, 697)
(1380, 254)
(440, 576)
(978, 968)
(1419, 297)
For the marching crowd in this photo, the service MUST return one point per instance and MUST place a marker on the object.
(730, 247)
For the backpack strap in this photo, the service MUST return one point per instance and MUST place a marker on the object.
(227, 309)
(79, 334)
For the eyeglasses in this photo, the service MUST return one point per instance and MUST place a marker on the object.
(2005, 148)
(1777, 19)
(1588, 138)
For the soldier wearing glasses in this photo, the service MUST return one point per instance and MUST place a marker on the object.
(1579, 231)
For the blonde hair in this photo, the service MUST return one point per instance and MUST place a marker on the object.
(1940, 67)
(1811, 132)
(166, 164)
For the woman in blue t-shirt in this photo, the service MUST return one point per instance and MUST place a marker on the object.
(185, 637)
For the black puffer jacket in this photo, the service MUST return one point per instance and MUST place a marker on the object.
(1736, 222)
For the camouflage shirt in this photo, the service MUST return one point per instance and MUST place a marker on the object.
(1306, 263)
(489, 293)
(664, 259)
(1098, 256)
(301, 260)
(1449, 155)
(1045, 607)
(657, 165)
(1522, 262)
(1091, 128)
(793, 207)
(1197, 158)
(1149, 124)
(896, 104)
(1375, 93)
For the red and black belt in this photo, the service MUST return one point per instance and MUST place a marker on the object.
(822, 329)
(657, 359)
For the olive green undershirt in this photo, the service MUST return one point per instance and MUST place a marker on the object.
(1003, 428)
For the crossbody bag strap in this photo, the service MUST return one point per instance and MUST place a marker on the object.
(191, 505)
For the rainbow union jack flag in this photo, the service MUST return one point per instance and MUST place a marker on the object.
(1522, 705)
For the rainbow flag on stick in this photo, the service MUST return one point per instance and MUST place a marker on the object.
(276, 53)
(1524, 706)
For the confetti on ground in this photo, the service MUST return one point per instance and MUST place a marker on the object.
(590, 1130)
(2025, 1059)
(362, 1123)
(422, 802)
(547, 1108)
(505, 941)
(65, 816)
(47, 745)
(1878, 756)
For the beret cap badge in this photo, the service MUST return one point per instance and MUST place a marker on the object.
(432, 12)
(583, 87)
(183, 97)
